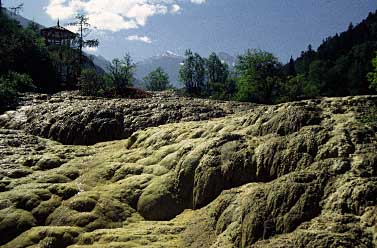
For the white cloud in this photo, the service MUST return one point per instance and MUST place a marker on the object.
(91, 49)
(114, 15)
(144, 39)
(198, 1)
(175, 8)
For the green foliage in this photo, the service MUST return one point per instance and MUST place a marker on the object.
(64, 60)
(292, 88)
(157, 80)
(258, 75)
(114, 84)
(342, 62)
(20, 82)
(52, 68)
(193, 73)
(206, 77)
(296, 88)
(10, 85)
(8, 95)
(23, 50)
(372, 76)
(120, 75)
(90, 83)
(310, 90)
(218, 72)
(82, 23)
(339, 67)
(223, 91)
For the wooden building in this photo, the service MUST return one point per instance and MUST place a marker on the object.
(58, 36)
(63, 53)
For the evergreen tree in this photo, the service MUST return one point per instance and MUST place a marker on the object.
(341, 64)
(291, 67)
(24, 51)
(317, 73)
(157, 80)
(372, 76)
(81, 22)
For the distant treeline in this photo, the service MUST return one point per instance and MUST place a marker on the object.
(338, 68)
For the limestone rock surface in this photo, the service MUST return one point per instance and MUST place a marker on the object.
(300, 174)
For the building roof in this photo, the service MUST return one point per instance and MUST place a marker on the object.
(57, 30)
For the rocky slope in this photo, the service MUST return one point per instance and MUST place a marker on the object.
(300, 174)
(72, 119)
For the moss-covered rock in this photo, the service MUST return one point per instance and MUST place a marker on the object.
(45, 208)
(13, 222)
(159, 201)
(48, 162)
(91, 211)
(46, 237)
(65, 191)
(297, 174)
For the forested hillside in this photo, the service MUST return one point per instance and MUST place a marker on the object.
(23, 50)
(342, 61)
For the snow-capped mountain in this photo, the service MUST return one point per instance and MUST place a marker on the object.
(168, 61)
(169, 54)
(227, 58)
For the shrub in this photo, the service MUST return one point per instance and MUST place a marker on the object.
(10, 85)
(157, 80)
(21, 82)
(8, 94)
(90, 83)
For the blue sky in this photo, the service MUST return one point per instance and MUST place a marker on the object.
(148, 27)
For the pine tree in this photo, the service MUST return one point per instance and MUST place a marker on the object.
(291, 67)
(81, 22)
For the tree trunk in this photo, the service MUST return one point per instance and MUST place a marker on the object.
(81, 44)
(80, 50)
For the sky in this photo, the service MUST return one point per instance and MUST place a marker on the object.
(146, 28)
